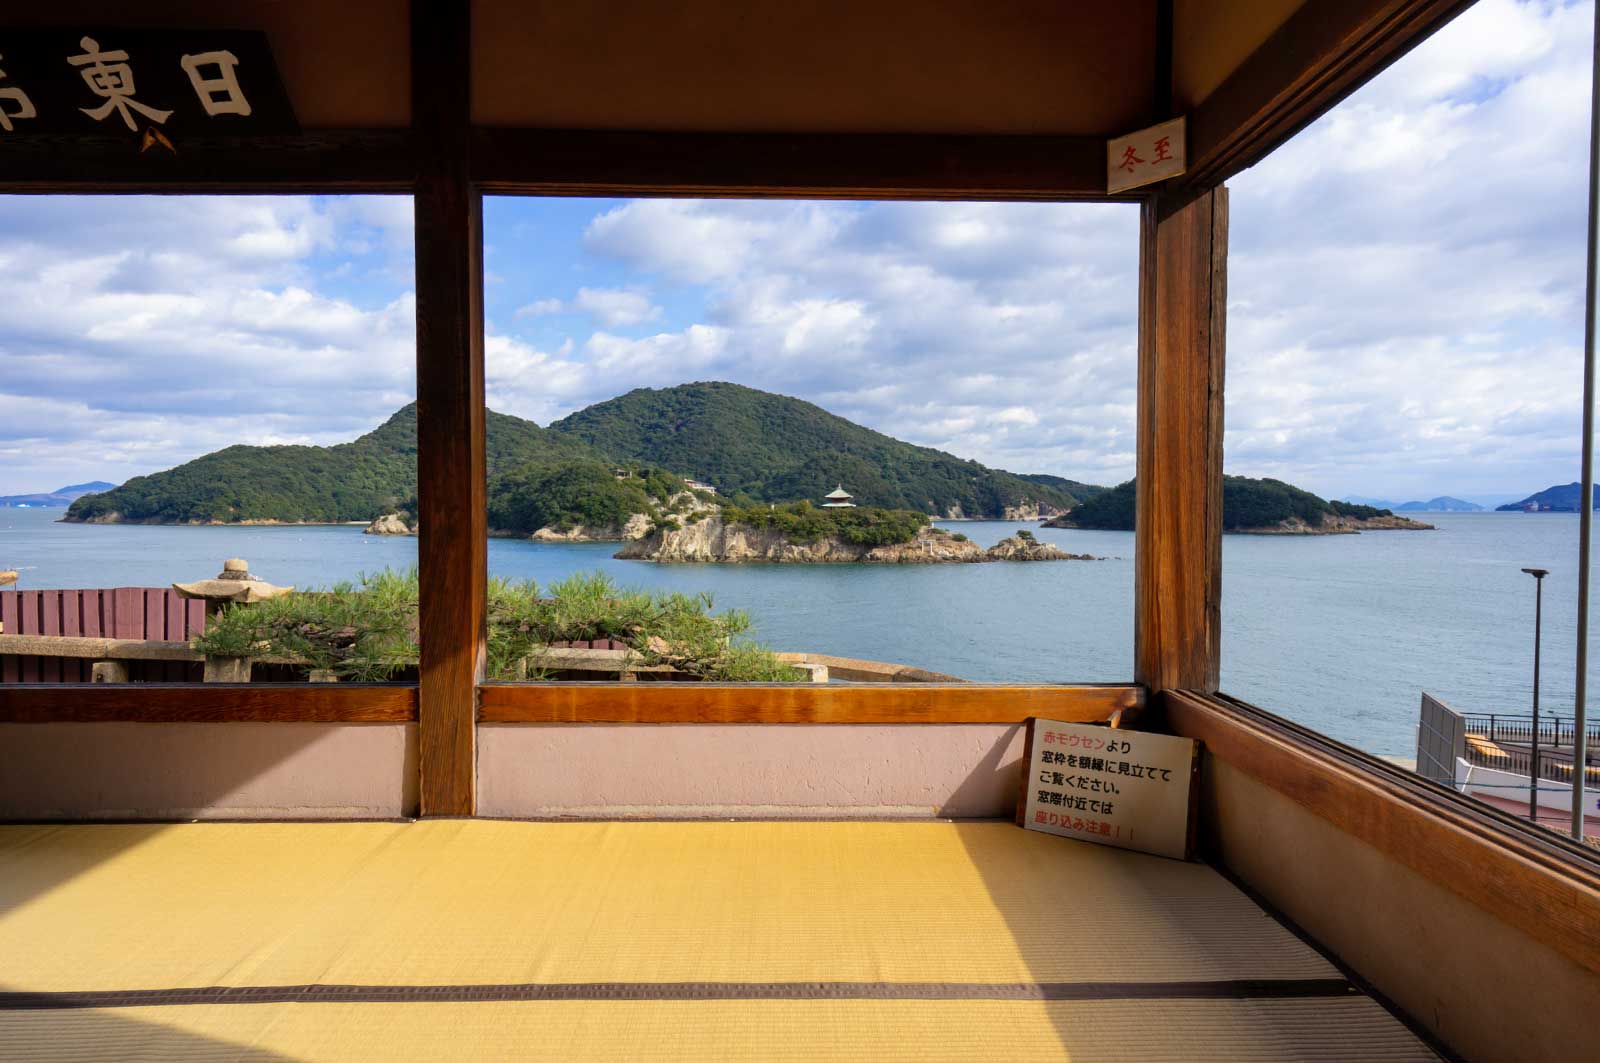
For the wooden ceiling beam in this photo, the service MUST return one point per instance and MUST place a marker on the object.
(800, 165)
(328, 161)
(1324, 52)
(581, 163)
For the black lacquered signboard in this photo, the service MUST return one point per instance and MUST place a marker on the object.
(158, 85)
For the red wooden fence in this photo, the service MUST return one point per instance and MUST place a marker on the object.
(149, 613)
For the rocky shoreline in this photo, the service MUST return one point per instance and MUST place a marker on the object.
(636, 527)
(1028, 512)
(713, 541)
(248, 522)
(1329, 525)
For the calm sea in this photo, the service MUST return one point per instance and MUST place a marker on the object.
(1342, 633)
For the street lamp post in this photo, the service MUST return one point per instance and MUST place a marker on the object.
(1538, 575)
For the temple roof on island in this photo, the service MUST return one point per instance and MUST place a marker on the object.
(838, 498)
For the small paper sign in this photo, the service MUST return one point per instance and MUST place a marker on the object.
(1148, 156)
(1129, 789)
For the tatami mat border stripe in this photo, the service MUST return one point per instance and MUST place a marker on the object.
(1236, 989)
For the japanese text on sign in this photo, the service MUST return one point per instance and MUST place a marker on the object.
(211, 82)
(1147, 156)
(1124, 788)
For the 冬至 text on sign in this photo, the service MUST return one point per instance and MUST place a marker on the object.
(1148, 156)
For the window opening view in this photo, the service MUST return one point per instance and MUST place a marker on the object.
(1411, 350)
(808, 441)
(207, 401)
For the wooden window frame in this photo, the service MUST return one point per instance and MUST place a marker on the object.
(794, 703)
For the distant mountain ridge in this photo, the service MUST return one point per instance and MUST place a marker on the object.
(1441, 504)
(61, 496)
(749, 444)
(1562, 498)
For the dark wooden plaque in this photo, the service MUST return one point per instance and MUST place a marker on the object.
(141, 83)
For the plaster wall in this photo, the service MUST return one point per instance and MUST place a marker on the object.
(745, 770)
(1483, 987)
(163, 771)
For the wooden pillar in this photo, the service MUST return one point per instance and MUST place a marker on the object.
(1183, 266)
(453, 535)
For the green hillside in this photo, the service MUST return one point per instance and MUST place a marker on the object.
(352, 481)
(776, 449)
(753, 446)
(1076, 488)
(534, 496)
(1246, 504)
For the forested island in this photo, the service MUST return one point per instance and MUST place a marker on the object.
(1561, 498)
(593, 470)
(1249, 506)
(800, 533)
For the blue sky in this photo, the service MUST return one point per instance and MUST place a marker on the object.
(1405, 303)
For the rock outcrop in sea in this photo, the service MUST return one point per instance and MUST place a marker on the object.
(1018, 548)
(391, 524)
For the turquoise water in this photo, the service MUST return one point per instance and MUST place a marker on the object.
(1342, 633)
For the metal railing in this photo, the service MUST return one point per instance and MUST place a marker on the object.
(1554, 731)
(1486, 754)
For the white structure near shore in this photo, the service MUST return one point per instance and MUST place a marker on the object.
(1476, 780)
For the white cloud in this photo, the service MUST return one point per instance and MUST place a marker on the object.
(540, 307)
(616, 307)
(526, 382)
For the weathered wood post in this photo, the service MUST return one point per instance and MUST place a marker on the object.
(452, 547)
(1183, 260)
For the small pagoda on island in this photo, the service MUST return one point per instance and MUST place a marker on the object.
(838, 498)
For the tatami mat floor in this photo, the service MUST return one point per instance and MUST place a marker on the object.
(671, 941)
